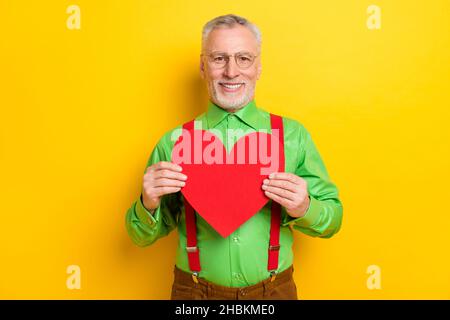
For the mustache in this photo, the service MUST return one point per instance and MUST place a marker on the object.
(230, 82)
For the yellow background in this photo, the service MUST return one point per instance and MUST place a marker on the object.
(82, 109)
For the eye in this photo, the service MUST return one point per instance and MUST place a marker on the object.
(218, 58)
(244, 58)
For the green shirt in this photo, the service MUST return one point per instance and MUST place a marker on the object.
(241, 258)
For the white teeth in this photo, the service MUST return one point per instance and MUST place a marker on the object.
(232, 86)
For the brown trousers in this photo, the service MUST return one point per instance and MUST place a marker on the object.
(282, 288)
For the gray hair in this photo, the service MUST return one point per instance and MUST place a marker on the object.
(229, 21)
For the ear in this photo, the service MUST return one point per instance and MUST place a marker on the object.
(202, 68)
(259, 71)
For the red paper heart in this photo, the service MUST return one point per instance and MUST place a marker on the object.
(228, 194)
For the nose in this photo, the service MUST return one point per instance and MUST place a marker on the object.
(231, 70)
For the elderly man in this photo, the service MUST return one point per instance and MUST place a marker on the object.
(255, 261)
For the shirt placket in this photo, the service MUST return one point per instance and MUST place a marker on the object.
(234, 240)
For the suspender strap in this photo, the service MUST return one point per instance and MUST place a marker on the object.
(274, 242)
(191, 227)
(191, 234)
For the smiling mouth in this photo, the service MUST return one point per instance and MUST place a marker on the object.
(231, 87)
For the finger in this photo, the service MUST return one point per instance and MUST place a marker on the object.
(280, 192)
(164, 182)
(285, 176)
(160, 191)
(167, 165)
(284, 202)
(284, 184)
(166, 173)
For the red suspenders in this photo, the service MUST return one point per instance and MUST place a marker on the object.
(274, 244)
(191, 228)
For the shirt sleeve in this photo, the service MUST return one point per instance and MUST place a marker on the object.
(145, 228)
(323, 218)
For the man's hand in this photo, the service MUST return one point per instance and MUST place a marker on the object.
(289, 190)
(159, 179)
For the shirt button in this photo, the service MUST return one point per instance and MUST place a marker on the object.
(235, 239)
(237, 276)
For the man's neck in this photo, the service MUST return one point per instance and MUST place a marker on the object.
(232, 110)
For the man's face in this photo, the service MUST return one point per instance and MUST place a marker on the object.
(230, 87)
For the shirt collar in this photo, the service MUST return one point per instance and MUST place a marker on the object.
(249, 114)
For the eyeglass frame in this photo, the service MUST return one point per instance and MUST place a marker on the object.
(232, 55)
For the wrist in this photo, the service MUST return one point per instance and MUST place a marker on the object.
(303, 209)
(148, 207)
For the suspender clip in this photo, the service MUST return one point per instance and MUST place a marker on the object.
(194, 277)
(273, 275)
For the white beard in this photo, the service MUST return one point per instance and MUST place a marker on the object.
(229, 103)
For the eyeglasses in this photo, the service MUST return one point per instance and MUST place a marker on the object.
(219, 60)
